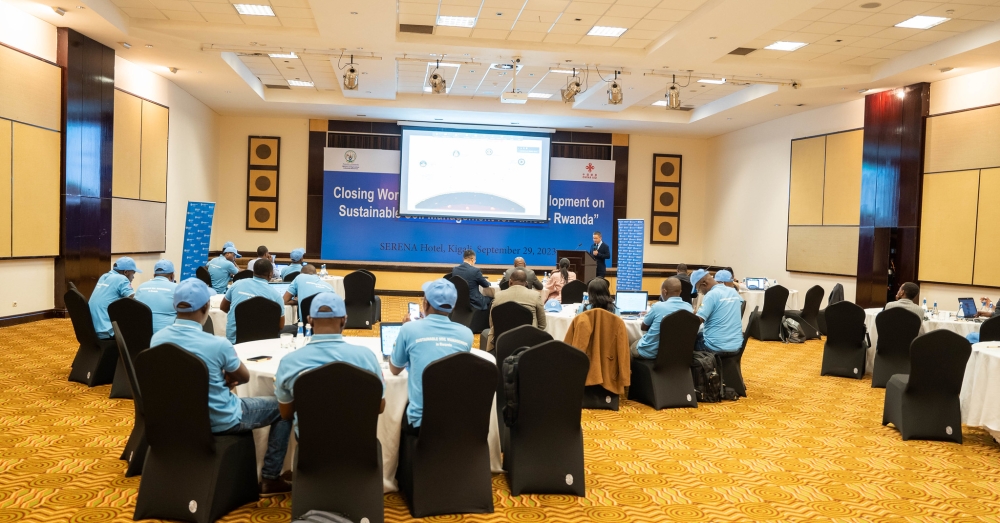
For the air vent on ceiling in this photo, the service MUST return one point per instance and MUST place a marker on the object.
(742, 51)
(269, 86)
(418, 29)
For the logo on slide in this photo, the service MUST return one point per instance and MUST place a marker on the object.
(350, 156)
(590, 167)
(590, 174)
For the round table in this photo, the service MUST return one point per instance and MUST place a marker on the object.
(389, 422)
(980, 396)
(756, 299)
(962, 327)
(337, 282)
(557, 323)
(219, 318)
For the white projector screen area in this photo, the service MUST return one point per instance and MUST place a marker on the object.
(474, 174)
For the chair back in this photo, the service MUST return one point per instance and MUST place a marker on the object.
(897, 328)
(504, 285)
(175, 400)
(523, 336)
(990, 329)
(507, 316)
(128, 362)
(290, 276)
(463, 306)
(845, 324)
(202, 274)
(550, 383)
(775, 299)
(135, 320)
(743, 308)
(458, 399)
(242, 275)
(304, 307)
(79, 314)
(937, 363)
(573, 291)
(370, 273)
(334, 432)
(209, 326)
(257, 319)
(814, 298)
(678, 332)
(686, 290)
(359, 289)
(836, 295)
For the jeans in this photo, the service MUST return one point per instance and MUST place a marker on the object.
(261, 412)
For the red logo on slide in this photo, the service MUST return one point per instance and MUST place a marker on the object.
(590, 174)
(590, 167)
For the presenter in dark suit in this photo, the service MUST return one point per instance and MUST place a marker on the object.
(474, 277)
(600, 252)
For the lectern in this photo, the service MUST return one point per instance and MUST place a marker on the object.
(580, 262)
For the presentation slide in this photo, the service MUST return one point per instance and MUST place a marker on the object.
(477, 175)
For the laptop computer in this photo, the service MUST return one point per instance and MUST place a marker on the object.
(631, 302)
(755, 284)
(280, 287)
(968, 306)
(388, 332)
(278, 267)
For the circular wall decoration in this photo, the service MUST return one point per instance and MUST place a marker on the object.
(263, 151)
(262, 215)
(667, 169)
(666, 199)
(262, 183)
(665, 228)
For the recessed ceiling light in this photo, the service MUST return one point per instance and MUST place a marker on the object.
(777, 105)
(870, 5)
(543, 96)
(946, 69)
(456, 21)
(354, 12)
(59, 11)
(561, 71)
(80, 7)
(254, 9)
(126, 45)
(716, 81)
(923, 22)
(786, 46)
(600, 30)
(149, 46)
(661, 103)
(283, 55)
(712, 37)
(300, 83)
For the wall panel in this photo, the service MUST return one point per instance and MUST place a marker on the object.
(987, 269)
(153, 184)
(947, 237)
(805, 194)
(963, 140)
(35, 191)
(842, 182)
(825, 250)
(138, 226)
(5, 183)
(127, 143)
(37, 103)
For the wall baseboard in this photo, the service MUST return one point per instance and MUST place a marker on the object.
(10, 321)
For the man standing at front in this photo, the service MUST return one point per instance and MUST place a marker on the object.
(158, 295)
(474, 277)
(113, 285)
(425, 341)
(601, 253)
(223, 268)
(247, 288)
(720, 312)
(648, 345)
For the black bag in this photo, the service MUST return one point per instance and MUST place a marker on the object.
(319, 516)
(708, 383)
(510, 386)
(791, 331)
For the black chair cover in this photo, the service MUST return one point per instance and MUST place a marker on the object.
(135, 320)
(506, 344)
(596, 397)
(504, 285)
(290, 276)
(446, 468)
(545, 454)
(338, 465)
(666, 382)
(687, 291)
(190, 474)
(304, 307)
(732, 368)
(506, 316)
(242, 275)
(990, 329)
(845, 351)
(96, 359)
(766, 326)
(573, 291)
(808, 316)
(208, 326)
(359, 290)
(836, 296)
(897, 328)
(135, 449)
(258, 319)
(924, 404)
(202, 274)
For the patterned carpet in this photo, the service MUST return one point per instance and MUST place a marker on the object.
(801, 448)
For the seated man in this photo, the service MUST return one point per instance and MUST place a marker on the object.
(223, 268)
(474, 277)
(158, 295)
(533, 282)
(305, 285)
(720, 313)
(425, 341)
(907, 299)
(987, 312)
(520, 294)
(725, 277)
(648, 345)
(328, 315)
(228, 413)
(263, 253)
(296, 265)
(113, 285)
(247, 288)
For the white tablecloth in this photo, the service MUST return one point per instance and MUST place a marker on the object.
(557, 324)
(337, 282)
(962, 327)
(756, 299)
(389, 422)
(219, 318)
(980, 396)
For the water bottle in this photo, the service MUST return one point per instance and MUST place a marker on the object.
(961, 312)
(925, 305)
(935, 309)
(322, 270)
(586, 300)
(299, 332)
(984, 308)
(309, 332)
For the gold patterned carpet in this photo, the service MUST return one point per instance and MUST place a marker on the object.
(801, 448)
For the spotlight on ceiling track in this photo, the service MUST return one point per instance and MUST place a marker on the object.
(59, 11)
(615, 95)
(673, 94)
(438, 83)
(573, 88)
(351, 76)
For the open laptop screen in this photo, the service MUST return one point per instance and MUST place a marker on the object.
(631, 302)
(755, 284)
(389, 332)
(280, 287)
(968, 306)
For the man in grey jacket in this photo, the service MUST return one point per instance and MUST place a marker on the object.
(533, 282)
(907, 299)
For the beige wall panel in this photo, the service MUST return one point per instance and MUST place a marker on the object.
(805, 194)
(153, 170)
(35, 202)
(947, 237)
(5, 188)
(138, 226)
(965, 140)
(127, 143)
(842, 181)
(30, 90)
(823, 249)
(987, 271)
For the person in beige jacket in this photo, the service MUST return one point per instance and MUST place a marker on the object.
(522, 295)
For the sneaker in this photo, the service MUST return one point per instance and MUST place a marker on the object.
(270, 487)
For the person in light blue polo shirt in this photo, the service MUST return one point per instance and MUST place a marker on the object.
(427, 340)
(720, 313)
(329, 315)
(112, 286)
(247, 288)
(223, 268)
(305, 285)
(648, 345)
(158, 295)
(296, 265)
(227, 413)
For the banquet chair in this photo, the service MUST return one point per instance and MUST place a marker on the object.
(135, 320)
(845, 350)
(258, 319)
(505, 345)
(897, 329)
(242, 275)
(504, 285)
(666, 381)
(338, 463)
(836, 296)
(209, 326)
(766, 326)
(573, 291)
(990, 329)
(304, 307)
(445, 467)
(377, 299)
(463, 311)
(808, 316)
(924, 404)
(732, 368)
(190, 474)
(96, 359)
(604, 338)
(202, 274)
(360, 300)
(545, 454)
(290, 277)
(136, 447)
(687, 291)
(505, 316)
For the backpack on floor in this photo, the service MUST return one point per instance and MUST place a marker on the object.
(707, 379)
(791, 331)
(319, 516)
(510, 386)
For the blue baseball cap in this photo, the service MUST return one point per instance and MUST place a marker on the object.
(441, 294)
(193, 292)
(163, 267)
(697, 276)
(297, 255)
(553, 305)
(723, 276)
(231, 247)
(126, 264)
(331, 300)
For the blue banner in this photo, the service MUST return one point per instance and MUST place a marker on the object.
(197, 233)
(631, 235)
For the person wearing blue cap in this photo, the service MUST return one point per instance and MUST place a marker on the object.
(328, 315)
(247, 288)
(720, 312)
(296, 265)
(112, 285)
(648, 345)
(227, 413)
(306, 284)
(427, 340)
(158, 294)
(725, 277)
(223, 268)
